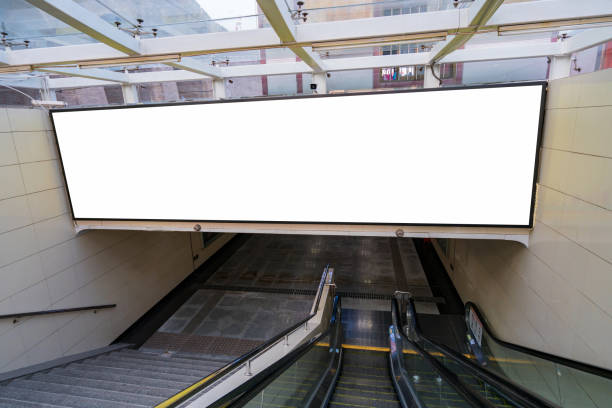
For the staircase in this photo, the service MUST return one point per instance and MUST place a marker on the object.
(120, 379)
(364, 381)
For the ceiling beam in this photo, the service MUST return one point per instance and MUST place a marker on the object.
(87, 22)
(279, 17)
(134, 78)
(31, 82)
(520, 50)
(501, 52)
(91, 73)
(434, 21)
(280, 68)
(478, 13)
(587, 39)
(198, 68)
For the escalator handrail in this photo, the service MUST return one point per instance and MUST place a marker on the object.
(591, 369)
(193, 389)
(508, 388)
(242, 394)
(406, 394)
(451, 378)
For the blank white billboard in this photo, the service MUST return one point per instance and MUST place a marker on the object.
(441, 157)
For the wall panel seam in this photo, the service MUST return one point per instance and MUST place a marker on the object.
(544, 147)
(576, 107)
(574, 242)
(31, 224)
(561, 277)
(35, 192)
(574, 197)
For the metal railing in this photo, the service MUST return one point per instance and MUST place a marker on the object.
(320, 394)
(16, 316)
(246, 359)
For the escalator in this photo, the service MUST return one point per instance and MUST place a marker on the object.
(327, 372)
(540, 378)
(326, 367)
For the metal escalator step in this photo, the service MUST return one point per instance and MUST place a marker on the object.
(355, 400)
(364, 381)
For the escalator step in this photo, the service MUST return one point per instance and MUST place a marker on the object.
(364, 381)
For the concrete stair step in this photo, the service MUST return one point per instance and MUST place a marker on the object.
(86, 392)
(146, 367)
(54, 378)
(75, 371)
(109, 368)
(207, 357)
(11, 403)
(160, 357)
(162, 362)
(50, 398)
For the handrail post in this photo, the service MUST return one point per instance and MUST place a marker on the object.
(248, 372)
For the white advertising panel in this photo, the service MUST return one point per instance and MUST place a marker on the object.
(438, 157)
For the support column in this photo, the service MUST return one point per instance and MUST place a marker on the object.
(321, 80)
(130, 93)
(430, 81)
(560, 66)
(219, 89)
(47, 94)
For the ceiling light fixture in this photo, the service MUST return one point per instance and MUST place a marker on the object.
(10, 43)
(299, 14)
(138, 30)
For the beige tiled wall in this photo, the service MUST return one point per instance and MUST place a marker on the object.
(44, 265)
(556, 295)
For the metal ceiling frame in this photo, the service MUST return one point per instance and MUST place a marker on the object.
(459, 25)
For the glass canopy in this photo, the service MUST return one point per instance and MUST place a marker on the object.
(226, 49)
(23, 22)
(177, 17)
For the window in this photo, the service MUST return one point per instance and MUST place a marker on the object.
(412, 73)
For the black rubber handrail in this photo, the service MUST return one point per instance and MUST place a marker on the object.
(190, 391)
(406, 394)
(243, 394)
(470, 396)
(591, 369)
(321, 393)
(55, 311)
(509, 389)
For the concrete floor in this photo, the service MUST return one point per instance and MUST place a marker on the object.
(264, 263)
